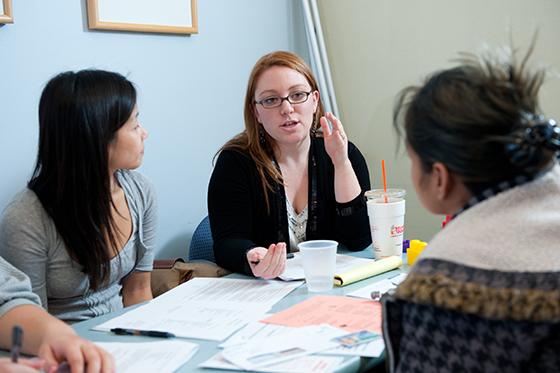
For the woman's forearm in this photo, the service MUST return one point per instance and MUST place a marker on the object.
(346, 185)
(36, 324)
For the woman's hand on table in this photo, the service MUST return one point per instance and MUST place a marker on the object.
(79, 355)
(268, 263)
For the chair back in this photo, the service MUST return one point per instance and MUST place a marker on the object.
(202, 244)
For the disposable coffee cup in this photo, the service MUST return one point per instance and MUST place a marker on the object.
(319, 262)
(386, 219)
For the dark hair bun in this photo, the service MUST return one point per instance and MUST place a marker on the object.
(534, 136)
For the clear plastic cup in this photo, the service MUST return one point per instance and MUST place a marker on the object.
(319, 262)
(386, 218)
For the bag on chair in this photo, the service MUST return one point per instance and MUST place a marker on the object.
(169, 273)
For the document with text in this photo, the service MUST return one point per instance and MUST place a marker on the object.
(205, 308)
(258, 330)
(304, 364)
(289, 344)
(350, 314)
(161, 356)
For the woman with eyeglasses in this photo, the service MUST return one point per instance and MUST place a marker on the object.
(290, 176)
(83, 229)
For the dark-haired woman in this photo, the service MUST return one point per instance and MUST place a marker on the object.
(280, 181)
(485, 293)
(83, 229)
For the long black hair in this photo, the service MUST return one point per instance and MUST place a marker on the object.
(79, 115)
(481, 119)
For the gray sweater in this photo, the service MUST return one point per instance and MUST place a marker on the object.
(29, 240)
(15, 289)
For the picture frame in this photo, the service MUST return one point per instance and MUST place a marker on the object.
(6, 12)
(159, 16)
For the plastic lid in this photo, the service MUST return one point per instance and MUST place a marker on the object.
(391, 193)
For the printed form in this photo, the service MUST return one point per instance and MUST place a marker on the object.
(258, 330)
(205, 308)
(161, 356)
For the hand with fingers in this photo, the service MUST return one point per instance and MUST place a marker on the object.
(80, 354)
(268, 263)
(336, 142)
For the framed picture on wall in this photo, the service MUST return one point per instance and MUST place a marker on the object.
(161, 16)
(6, 11)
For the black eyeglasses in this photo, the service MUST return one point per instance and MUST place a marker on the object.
(298, 97)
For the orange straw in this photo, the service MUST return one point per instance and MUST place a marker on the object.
(384, 180)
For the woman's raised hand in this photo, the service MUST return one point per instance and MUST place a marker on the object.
(268, 263)
(336, 142)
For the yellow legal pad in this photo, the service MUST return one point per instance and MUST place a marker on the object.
(367, 270)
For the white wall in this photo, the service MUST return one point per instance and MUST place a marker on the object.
(378, 47)
(190, 90)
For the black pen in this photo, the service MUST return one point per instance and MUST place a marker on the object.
(17, 336)
(288, 256)
(146, 333)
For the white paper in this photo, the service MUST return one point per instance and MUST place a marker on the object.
(304, 364)
(229, 291)
(290, 344)
(169, 13)
(398, 278)
(254, 330)
(294, 266)
(368, 349)
(149, 357)
(205, 308)
(381, 286)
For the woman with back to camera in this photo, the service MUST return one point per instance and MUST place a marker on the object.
(83, 229)
(280, 181)
(485, 293)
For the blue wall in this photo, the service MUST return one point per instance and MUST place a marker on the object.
(190, 90)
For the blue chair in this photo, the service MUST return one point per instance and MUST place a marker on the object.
(202, 244)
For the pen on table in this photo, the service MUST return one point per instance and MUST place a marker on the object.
(146, 333)
(17, 336)
(288, 256)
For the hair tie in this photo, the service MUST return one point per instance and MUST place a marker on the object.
(536, 133)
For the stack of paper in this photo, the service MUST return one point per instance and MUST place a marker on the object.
(293, 343)
(269, 348)
(161, 356)
(260, 330)
(205, 308)
(304, 364)
(346, 313)
(290, 341)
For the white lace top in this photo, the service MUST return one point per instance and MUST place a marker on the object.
(297, 225)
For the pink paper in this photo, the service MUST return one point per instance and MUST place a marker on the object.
(346, 313)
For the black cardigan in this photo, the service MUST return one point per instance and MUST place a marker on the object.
(239, 219)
